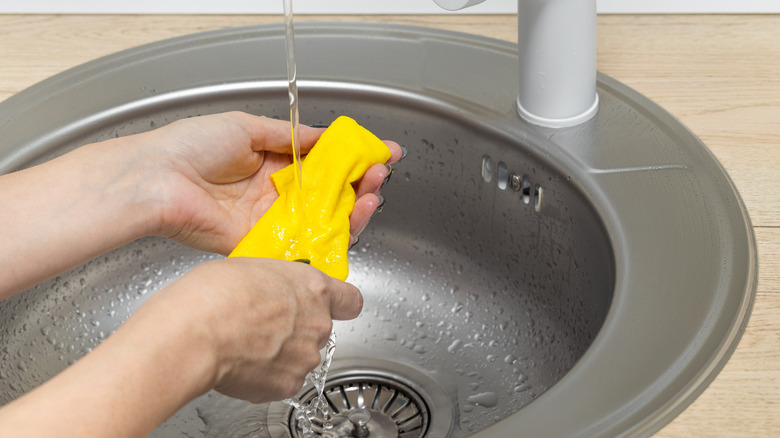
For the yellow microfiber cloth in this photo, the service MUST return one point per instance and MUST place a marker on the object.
(312, 223)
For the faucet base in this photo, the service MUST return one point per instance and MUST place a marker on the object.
(558, 123)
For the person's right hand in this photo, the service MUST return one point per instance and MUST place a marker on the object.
(250, 328)
(264, 321)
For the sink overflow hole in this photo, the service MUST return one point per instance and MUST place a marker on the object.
(526, 189)
(487, 168)
(503, 175)
(514, 181)
(538, 198)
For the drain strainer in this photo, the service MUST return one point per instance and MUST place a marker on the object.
(374, 399)
(368, 406)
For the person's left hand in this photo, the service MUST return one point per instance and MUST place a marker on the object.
(214, 173)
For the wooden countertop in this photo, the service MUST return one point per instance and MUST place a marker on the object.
(720, 75)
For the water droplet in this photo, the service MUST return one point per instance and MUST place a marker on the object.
(486, 399)
(522, 388)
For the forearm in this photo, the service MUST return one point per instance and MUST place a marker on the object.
(127, 386)
(66, 211)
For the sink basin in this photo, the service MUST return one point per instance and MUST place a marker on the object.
(586, 281)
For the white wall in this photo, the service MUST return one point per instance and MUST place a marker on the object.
(366, 6)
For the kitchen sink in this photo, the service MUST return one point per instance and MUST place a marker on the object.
(583, 281)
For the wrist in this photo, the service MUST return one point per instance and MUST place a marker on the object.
(138, 184)
(178, 340)
(170, 356)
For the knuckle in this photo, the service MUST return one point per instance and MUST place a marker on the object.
(292, 386)
(327, 326)
(319, 284)
(321, 325)
(312, 361)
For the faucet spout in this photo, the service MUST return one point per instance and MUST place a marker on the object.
(557, 56)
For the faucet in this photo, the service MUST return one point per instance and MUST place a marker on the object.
(557, 56)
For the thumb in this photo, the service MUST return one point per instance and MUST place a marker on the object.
(346, 301)
(276, 135)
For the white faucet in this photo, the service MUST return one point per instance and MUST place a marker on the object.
(557, 55)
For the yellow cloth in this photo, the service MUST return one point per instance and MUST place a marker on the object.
(313, 224)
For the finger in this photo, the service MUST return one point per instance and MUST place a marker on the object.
(324, 341)
(373, 180)
(365, 207)
(378, 175)
(346, 301)
(396, 151)
(275, 135)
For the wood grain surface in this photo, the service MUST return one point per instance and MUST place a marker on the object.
(720, 75)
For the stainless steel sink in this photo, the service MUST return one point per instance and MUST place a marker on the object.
(586, 281)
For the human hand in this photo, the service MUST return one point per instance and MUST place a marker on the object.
(250, 328)
(263, 321)
(215, 176)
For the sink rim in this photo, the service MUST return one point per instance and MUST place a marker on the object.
(408, 38)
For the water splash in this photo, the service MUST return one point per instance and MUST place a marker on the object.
(305, 413)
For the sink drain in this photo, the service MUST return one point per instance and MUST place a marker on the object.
(370, 406)
(375, 399)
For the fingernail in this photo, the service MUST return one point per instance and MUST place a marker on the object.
(380, 206)
(404, 152)
(357, 239)
(318, 125)
(389, 174)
